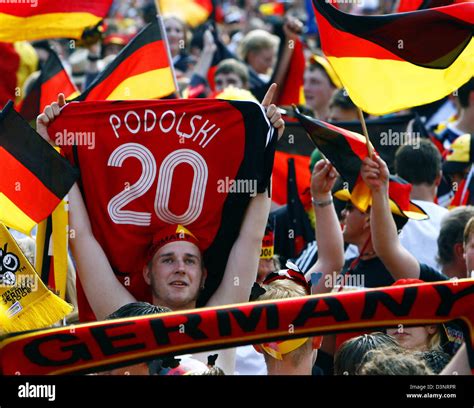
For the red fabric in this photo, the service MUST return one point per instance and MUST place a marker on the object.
(337, 43)
(400, 193)
(33, 198)
(182, 172)
(280, 176)
(60, 83)
(292, 87)
(8, 70)
(96, 7)
(409, 5)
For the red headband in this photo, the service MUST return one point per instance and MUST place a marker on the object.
(171, 233)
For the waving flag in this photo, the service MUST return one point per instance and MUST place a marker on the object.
(53, 80)
(34, 176)
(397, 61)
(18, 61)
(142, 70)
(43, 19)
(346, 150)
(192, 12)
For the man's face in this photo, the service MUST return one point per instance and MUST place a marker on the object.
(261, 61)
(176, 275)
(355, 224)
(222, 81)
(469, 256)
(317, 89)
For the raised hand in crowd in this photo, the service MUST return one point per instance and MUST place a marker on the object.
(273, 114)
(50, 113)
(328, 231)
(400, 263)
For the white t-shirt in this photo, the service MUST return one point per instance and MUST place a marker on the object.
(420, 237)
(249, 362)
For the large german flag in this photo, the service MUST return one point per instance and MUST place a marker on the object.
(34, 176)
(193, 12)
(142, 70)
(397, 61)
(53, 80)
(42, 19)
(346, 150)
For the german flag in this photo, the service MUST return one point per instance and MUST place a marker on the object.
(35, 177)
(51, 261)
(465, 192)
(397, 61)
(292, 89)
(53, 80)
(273, 9)
(346, 150)
(49, 18)
(142, 70)
(193, 12)
(19, 60)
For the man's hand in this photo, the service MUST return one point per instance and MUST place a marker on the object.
(322, 179)
(272, 111)
(292, 28)
(209, 44)
(50, 113)
(374, 172)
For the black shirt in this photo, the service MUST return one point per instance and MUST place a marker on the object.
(372, 273)
(368, 273)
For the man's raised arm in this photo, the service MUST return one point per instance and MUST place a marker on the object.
(242, 265)
(328, 231)
(103, 290)
(400, 263)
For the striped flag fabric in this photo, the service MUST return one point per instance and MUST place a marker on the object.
(53, 80)
(392, 62)
(142, 70)
(346, 150)
(42, 19)
(35, 177)
(192, 12)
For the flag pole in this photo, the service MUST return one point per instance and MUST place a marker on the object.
(168, 51)
(370, 150)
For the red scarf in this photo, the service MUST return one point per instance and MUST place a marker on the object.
(97, 346)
